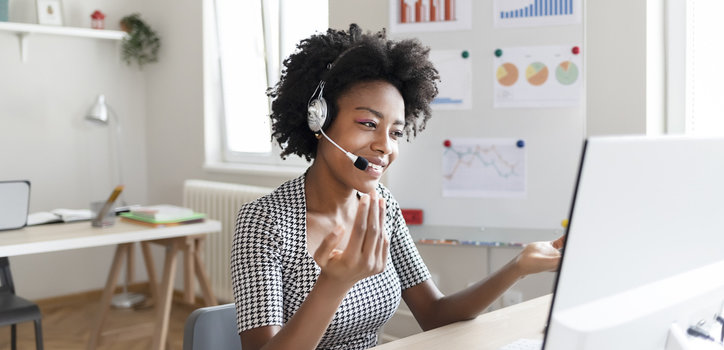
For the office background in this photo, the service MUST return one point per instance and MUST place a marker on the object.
(162, 109)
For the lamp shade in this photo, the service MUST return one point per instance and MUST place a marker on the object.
(99, 112)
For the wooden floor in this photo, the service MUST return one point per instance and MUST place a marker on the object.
(67, 322)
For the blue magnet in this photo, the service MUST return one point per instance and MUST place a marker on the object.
(520, 143)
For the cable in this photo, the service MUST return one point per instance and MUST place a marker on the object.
(697, 331)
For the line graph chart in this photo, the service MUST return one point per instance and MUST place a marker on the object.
(484, 168)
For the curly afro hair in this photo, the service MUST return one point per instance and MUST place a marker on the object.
(343, 59)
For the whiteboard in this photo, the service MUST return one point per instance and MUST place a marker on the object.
(553, 136)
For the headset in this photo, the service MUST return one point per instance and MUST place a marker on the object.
(317, 115)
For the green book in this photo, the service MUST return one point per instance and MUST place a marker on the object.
(192, 217)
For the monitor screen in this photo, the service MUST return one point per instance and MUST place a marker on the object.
(645, 209)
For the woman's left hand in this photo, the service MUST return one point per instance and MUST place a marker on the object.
(540, 256)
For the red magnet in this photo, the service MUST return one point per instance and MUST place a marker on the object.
(576, 50)
(447, 143)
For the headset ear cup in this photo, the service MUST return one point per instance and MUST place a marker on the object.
(317, 114)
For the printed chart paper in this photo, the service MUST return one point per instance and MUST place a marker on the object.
(480, 167)
(537, 76)
(456, 79)
(408, 16)
(527, 13)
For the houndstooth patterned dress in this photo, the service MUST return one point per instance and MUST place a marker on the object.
(272, 272)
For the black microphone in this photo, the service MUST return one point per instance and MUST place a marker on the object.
(359, 162)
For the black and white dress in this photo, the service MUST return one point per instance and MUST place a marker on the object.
(272, 272)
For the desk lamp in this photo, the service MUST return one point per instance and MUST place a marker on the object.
(99, 114)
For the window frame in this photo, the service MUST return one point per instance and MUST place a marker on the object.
(219, 157)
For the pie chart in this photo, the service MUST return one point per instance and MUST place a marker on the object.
(507, 74)
(567, 73)
(536, 73)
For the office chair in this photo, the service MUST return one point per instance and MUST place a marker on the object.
(14, 309)
(212, 327)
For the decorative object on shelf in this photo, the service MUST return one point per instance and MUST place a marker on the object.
(142, 43)
(4, 10)
(98, 20)
(50, 12)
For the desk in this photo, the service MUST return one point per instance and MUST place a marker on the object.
(58, 237)
(487, 331)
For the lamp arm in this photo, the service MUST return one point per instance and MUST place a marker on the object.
(119, 149)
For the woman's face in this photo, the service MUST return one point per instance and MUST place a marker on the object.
(370, 122)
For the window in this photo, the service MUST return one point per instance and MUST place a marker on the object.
(695, 72)
(252, 39)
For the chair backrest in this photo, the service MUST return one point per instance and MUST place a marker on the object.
(212, 327)
(6, 278)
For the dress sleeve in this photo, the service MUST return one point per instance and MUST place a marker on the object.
(256, 269)
(411, 270)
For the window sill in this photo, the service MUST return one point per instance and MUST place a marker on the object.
(255, 169)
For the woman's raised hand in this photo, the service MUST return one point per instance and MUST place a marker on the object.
(366, 251)
(540, 256)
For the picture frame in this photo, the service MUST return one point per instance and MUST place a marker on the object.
(50, 12)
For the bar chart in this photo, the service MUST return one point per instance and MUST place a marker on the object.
(541, 8)
(418, 11)
(520, 13)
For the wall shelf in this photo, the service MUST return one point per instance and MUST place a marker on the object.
(23, 30)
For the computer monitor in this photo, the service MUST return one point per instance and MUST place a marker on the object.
(645, 210)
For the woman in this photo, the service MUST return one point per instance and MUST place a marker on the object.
(323, 261)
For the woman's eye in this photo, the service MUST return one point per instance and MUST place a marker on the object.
(397, 134)
(369, 124)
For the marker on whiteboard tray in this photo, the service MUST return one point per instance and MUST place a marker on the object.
(439, 241)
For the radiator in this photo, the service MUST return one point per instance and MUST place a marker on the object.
(219, 201)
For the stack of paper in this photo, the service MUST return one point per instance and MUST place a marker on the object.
(163, 212)
(162, 215)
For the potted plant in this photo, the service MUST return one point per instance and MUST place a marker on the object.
(142, 43)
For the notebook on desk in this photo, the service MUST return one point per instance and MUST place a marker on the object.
(14, 204)
(644, 209)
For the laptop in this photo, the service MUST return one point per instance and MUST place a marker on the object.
(644, 209)
(14, 204)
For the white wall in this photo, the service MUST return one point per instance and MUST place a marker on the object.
(43, 137)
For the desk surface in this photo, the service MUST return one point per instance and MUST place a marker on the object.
(488, 331)
(57, 237)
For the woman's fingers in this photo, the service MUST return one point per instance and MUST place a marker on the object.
(325, 249)
(373, 227)
(367, 248)
(382, 239)
(382, 255)
(359, 229)
(558, 243)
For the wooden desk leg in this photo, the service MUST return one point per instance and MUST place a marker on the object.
(150, 270)
(204, 282)
(189, 292)
(163, 305)
(130, 260)
(121, 250)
